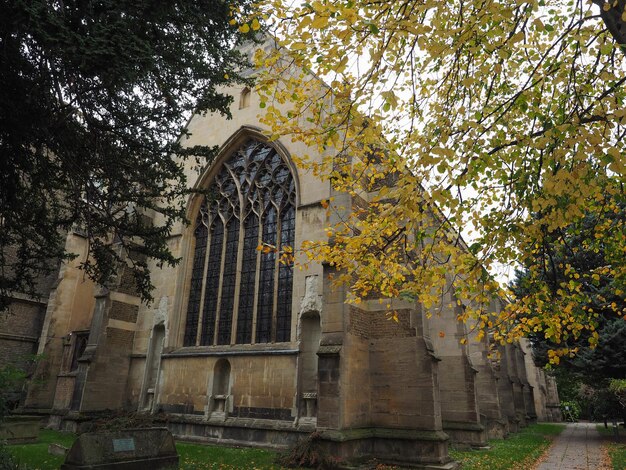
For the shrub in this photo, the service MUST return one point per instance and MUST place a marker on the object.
(116, 420)
(11, 381)
(8, 462)
(308, 453)
(570, 410)
(618, 388)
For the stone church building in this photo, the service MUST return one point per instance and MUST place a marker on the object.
(240, 348)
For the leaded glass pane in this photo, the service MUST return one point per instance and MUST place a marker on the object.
(195, 291)
(266, 280)
(228, 283)
(248, 274)
(285, 278)
(212, 283)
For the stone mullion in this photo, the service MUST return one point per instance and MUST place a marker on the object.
(239, 263)
(197, 269)
(276, 274)
(218, 306)
(257, 281)
(203, 287)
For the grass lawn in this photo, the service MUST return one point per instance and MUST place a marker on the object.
(192, 456)
(213, 457)
(518, 451)
(617, 450)
(36, 455)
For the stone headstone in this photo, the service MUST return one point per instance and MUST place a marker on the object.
(57, 449)
(20, 429)
(130, 449)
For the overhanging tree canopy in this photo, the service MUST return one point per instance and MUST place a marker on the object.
(93, 97)
(510, 115)
(577, 250)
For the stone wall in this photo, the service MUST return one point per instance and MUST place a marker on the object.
(261, 386)
(505, 391)
(457, 380)
(483, 361)
(20, 327)
(21, 324)
(537, 382)
(370, 385)
(69, 309)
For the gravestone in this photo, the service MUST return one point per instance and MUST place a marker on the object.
(130, 449)
(20, 429)
(57, 449)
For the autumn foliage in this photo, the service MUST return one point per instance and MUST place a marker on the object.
(498, 122)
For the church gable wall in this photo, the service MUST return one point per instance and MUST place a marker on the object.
(298, 358)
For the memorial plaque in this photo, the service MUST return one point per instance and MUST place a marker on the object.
(124, 445)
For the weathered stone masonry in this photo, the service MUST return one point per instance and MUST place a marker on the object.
(239, 348)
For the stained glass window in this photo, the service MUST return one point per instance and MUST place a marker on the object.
(237, 292)
(266, 281)
(212, 281)
(285, 280)
(229, 273)
(193, 307)
(248, 278)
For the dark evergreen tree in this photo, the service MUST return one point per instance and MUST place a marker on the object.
(602, 293)
(93, 99)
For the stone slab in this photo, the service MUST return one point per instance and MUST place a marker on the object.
(20, 429)
(130, 449)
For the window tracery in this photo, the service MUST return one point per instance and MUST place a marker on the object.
(238, 293)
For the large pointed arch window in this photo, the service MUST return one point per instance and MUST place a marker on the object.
(239, 294)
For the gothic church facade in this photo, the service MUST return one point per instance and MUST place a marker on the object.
(240, 347)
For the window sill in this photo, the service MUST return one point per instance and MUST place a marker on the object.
(273, 349)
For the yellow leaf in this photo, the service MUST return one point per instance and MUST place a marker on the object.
(320, 22)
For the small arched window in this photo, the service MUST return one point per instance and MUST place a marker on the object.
(239, 293)
(244, 99)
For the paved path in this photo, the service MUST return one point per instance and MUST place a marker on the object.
(576, 448)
